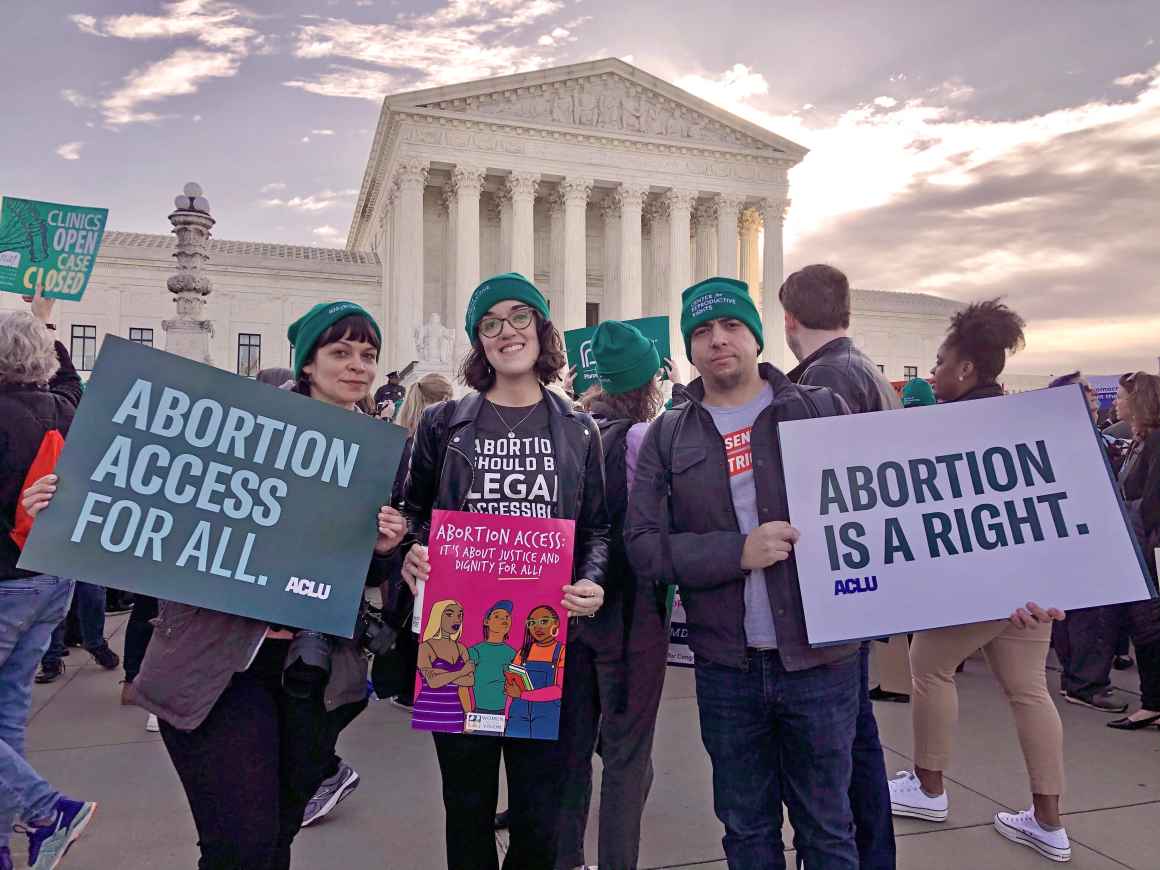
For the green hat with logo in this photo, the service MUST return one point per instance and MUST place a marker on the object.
(510, 285)
(625, 358)
(713, 299)
(306, 330)
(917, 392)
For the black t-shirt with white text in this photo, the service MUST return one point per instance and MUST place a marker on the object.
(515, 465)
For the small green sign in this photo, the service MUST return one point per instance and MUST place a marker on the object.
(578, 343)
(49, 247)
(191, 484)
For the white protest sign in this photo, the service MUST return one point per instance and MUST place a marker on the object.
(953, 514)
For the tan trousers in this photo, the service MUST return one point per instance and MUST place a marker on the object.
(890, 665)
(1018, 659)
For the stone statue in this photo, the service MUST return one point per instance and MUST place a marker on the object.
(562, 108)
(610, 109)
(586, 108)
(631, 113)
(434, 342)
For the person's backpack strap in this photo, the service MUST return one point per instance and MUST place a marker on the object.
(666, 436)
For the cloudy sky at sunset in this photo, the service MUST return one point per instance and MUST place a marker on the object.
(962, 149)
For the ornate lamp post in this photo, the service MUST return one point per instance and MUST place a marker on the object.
(189, 334)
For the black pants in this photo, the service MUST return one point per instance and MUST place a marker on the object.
(1148, 661)
(251, 767)
(470, 768)
(138, 631)
(1085, 644)
(595, 684)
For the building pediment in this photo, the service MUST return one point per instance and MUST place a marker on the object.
(605, 95)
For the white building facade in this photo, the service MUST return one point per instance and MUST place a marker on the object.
(613, 190)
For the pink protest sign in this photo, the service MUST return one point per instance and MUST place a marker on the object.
(492, 631)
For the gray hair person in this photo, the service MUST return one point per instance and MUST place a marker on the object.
(27, 351)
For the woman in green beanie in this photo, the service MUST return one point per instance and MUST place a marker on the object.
(250, 753)
(616, 661)
(552, 467)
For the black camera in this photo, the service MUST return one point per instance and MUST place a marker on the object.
(373, 634)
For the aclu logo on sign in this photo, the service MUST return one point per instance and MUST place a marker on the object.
(854, 585)
(586, 360)
(10, 259)
(308, 588)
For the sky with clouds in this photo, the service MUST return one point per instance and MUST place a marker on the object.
(963, 149)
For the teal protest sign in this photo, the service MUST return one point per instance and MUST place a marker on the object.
(191, 484)
(578, 343)
(49, 247)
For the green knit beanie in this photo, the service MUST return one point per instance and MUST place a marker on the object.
(917, 392)
(713, 299)
(625, 359)
(510, 285)
(306, 330)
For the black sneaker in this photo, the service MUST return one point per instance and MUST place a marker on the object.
(50, 673)
(109, 660)
(880, 694)
(503, 820)
(1102, 702)
(1122, 663)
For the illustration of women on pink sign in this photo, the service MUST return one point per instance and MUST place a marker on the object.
(446, 672)
(536, 679)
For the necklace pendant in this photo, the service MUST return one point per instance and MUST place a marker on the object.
(511, 434)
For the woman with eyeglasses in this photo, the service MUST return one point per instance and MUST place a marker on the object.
(513, 448)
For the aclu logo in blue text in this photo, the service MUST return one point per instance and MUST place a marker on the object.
(854, 585)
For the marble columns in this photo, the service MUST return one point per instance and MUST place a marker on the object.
(576, 191)
(772, 314)
(705, 247)
(468, 181)
(610, 211)
(631, 199)
(748, 229)
(408, 274)
(728, 207)
(522, 194)
(680, 205)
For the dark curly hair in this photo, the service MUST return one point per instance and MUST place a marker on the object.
(640, 405)
(984, 333)
(477, 373)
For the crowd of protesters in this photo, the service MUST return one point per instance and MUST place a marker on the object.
(251, 722)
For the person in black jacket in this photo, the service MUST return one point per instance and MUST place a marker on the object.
(817, 316)
(709, 511)
(39, 391)
(616, 661)
(515, 351)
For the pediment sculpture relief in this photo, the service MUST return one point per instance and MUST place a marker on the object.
(604, 103)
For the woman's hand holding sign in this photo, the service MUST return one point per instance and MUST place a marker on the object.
(392, 527)
(38, 496)
(583, 598)
(416, 567)
(1033, 615)
(768, 544)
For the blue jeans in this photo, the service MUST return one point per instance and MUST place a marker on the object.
(775, 735)
(869, 792)
(90, 603)
(30, 608)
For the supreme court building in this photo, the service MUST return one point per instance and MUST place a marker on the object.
(612, 189)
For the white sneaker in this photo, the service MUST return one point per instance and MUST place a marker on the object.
(1025, 828)
(908, 799)
(151, 724)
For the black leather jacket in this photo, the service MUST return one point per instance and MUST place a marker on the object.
(443, 467)
(839, 365)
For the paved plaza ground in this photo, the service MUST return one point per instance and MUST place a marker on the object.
(82, 740)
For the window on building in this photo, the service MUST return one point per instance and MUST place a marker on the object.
(249, 354)
(909, 372)
(83, 347)
(141, 336)
(591, 313)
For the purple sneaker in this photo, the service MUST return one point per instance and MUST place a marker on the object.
(47, 844)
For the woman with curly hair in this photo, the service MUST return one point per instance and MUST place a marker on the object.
(1138, 401)
(968, 366)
